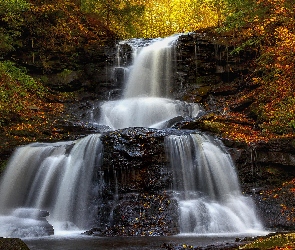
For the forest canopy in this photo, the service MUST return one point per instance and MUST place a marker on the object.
(159, 18)
(41, 31)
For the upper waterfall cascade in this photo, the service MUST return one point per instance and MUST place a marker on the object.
(145, 101)
(61, 177)
(151, 73)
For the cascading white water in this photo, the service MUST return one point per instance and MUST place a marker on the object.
(207, 188)
(145, 100)
(55, 177)
(152, 112)
(151, 73)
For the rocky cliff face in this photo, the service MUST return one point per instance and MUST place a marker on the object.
(207, 67)
(135, 196)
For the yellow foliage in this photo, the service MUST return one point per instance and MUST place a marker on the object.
(159, 18)
(166, 17)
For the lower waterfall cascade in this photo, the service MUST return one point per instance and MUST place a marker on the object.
(62, 181)
(49, 177)
(206, 187)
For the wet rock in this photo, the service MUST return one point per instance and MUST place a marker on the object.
(135, 159)
(139, 214)
(225, 246)
(206, 66)
(12, 244)
(136, 176)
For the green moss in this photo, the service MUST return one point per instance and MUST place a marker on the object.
(278, 240)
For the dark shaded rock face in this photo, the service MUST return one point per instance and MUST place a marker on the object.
(136, 197)
(139, 151)
(206, 67)
(137, 214)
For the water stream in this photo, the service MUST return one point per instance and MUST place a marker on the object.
(59, 177)
(207, 188)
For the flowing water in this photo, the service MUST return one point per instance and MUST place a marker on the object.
(152, 112)
(145, 101)
(151, 73)
(59, 177)
(207, 189)
(51, 177)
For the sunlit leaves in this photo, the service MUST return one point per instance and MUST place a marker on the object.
(234, 126)
(163, 18)
(11, 23)
(121, 16)
(239, 14)
(278, 241)
(13, 6)
(279, 111)
(139, 18)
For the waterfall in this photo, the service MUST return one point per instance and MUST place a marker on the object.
(56, 177)
(145, 101)
(151, 73)
(207, 188)
(63, 180)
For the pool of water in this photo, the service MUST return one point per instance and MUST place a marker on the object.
(72, 242)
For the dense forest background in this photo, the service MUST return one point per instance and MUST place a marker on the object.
(34, 32)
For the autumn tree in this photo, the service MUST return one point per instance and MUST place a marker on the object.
(11, 25)
(269, 26)
(140, 18)
(120, 16)
(41, 37)
(164, 18)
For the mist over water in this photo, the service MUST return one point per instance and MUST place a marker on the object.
(150, 112)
